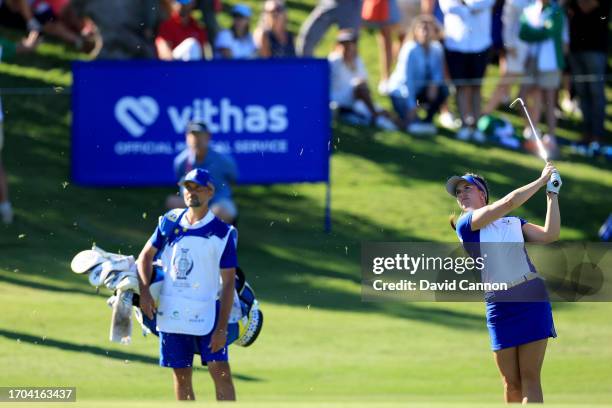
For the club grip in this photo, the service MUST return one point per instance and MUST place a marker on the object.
(555, 179)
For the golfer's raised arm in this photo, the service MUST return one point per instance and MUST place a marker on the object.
(552, 226)
(489, 213)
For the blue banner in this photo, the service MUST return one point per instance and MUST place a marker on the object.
(129, 118)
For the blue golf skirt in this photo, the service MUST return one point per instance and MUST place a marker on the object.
(513, 322)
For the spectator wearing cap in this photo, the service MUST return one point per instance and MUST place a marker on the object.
(349, 92)
(272, 37)
(237, 41)
(418, 78)
(180, 37)
(222, 168)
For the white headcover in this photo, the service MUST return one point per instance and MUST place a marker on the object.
(85, 260)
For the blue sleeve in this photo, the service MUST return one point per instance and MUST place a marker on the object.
(523, 221)
(464, 229)
(229, 258)
(157, 239)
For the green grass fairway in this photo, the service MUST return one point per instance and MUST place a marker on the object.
(321, 345)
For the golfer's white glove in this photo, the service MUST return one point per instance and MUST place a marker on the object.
(554, 183)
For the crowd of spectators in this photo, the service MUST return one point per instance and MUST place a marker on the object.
(428, 51)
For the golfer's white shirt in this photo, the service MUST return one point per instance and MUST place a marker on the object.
(501, 244)
(192, 279)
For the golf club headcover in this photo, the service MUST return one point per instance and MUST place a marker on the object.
(554, 183)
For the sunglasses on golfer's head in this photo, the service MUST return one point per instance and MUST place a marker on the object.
(477, 182)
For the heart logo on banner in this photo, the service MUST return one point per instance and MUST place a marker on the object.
(135, 114)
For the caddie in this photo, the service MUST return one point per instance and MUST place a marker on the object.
(198, 254)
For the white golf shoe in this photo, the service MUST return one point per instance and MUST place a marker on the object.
(447, 121)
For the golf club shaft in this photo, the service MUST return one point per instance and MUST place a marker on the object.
(554, 177)
(541, 148)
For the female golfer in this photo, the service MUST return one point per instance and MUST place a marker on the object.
(519, 319)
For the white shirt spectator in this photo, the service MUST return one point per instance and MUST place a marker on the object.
(241, 48)
(511, 15)
(467, 25)
(344, 79)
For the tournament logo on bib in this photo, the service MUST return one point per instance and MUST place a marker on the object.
(182, 264)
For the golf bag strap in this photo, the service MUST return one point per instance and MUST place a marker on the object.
(168, 224)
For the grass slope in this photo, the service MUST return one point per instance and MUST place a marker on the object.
(321, 345)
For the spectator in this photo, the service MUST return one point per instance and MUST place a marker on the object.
(180, 37)
(588, 27)
(467, 30)
(7, 51)
(346, 14)
(512, 61)
(418, 78)
(275, 41)
(126, 26)
(221, 167)
(65, 13)
(237, 42)
(385, 28)
(209, 9)
(349, 84)
(39, 16)
(409, 10)
(541, 26)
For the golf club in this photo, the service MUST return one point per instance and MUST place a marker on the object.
(554, 177)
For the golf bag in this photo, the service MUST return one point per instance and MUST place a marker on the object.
(119, 274)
